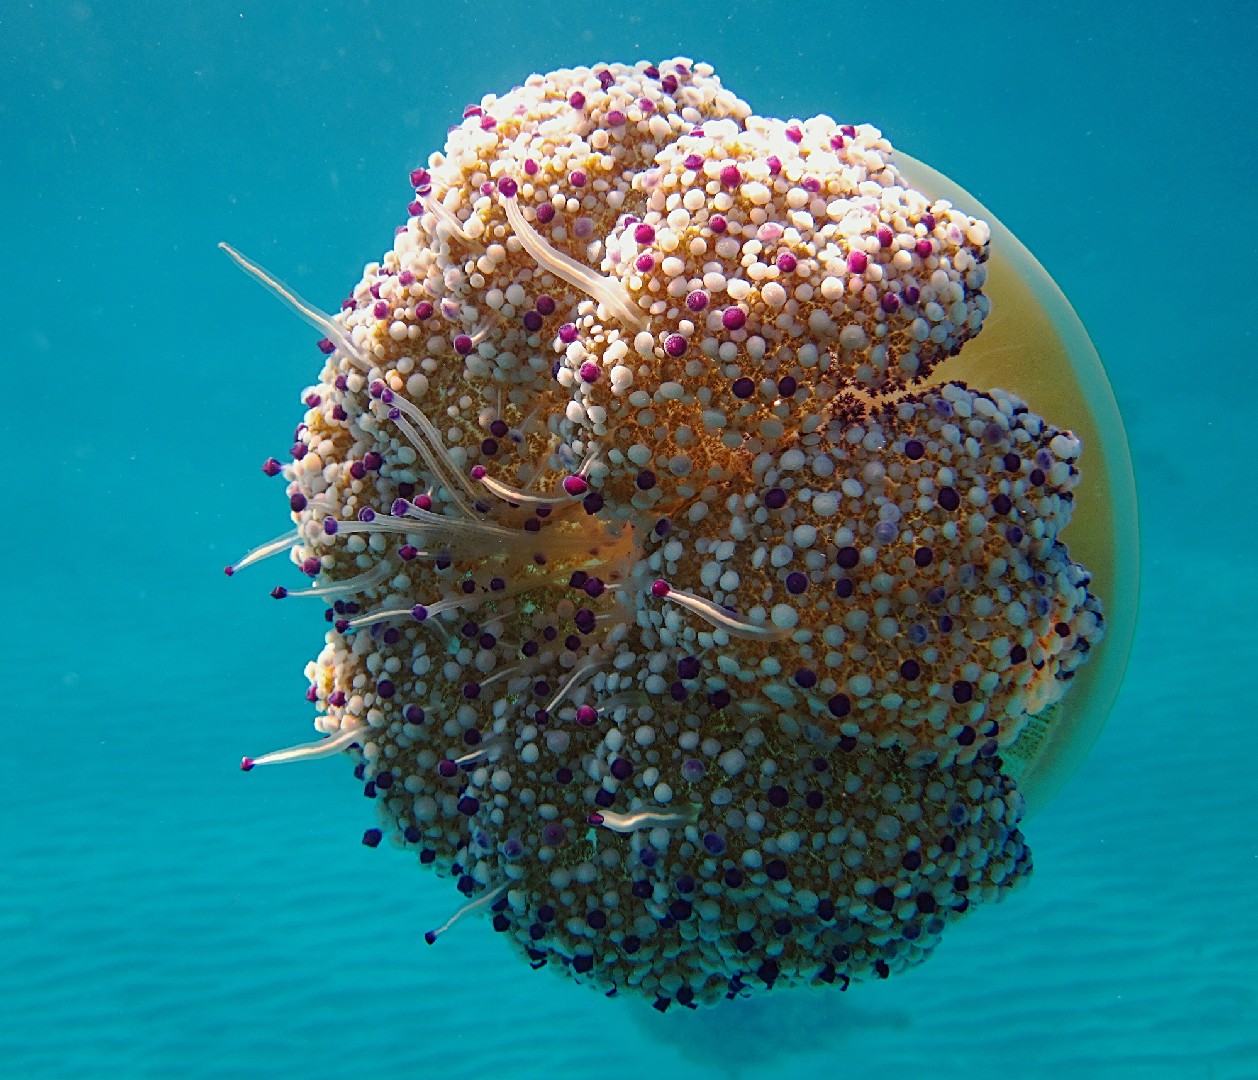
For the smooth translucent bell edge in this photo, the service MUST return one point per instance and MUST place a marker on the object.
(1034, 345)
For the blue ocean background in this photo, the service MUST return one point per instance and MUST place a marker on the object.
(163, 915)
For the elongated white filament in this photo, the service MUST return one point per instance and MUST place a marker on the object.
(330, 328)
(579, 676)
(717, 616)
(481, 753)
(482, 901)
(431, 447)
(265, 551)
(523, 498)
(369, 579)
(607, 291)
(438, 210)
(520, 584)
(310, 751)
(645, 819)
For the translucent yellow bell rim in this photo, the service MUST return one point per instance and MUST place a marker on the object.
(1034, 345)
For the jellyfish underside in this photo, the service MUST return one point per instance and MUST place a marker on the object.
(513, 442)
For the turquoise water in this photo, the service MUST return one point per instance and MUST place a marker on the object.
(162, 915)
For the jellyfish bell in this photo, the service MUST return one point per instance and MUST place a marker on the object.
(706, 594)
(1034, 344)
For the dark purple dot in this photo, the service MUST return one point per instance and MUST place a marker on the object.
(744, 388)
(923, 556)
(796, 582)
(778, 796)
(1002, 504)
(775, 498)
(967, 736)
(688, 667)
(787, 386)
(776, 869)
(622, 768)
(675, 345)
(645, 480)
(844, 588)
(806, 677)
(962, 691)
(884, 898)
(384, 688)
(372, 837)
(948, 498)
(910, 670)
(848, 557)
(914, 449)
(840, 705)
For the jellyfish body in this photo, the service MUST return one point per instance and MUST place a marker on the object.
(697, 603)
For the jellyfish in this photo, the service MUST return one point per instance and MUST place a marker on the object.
(725, 533)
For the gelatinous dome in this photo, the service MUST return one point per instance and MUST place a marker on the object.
(697, 572)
